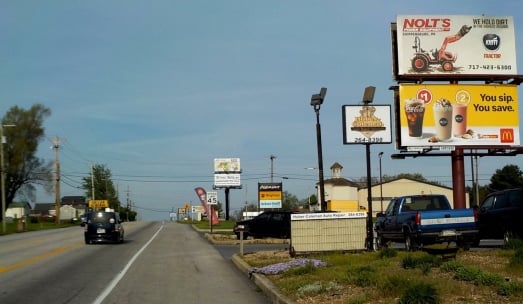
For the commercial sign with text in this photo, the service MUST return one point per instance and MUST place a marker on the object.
(458, 115)
(366, 124)
(270, 195)
(456, 44)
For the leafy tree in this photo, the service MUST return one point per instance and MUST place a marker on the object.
(290, 201)
(507, 177)
(102, 186)
(23, 169)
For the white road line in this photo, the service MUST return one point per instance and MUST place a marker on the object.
(120, 275)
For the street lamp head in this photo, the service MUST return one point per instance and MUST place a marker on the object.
(380, 154)
(317, 99)
(368, 94)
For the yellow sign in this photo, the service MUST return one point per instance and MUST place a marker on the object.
(270, 195)
(98, 204)
(458, 115)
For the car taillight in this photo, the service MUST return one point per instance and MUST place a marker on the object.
(418, 218)
(476, 218)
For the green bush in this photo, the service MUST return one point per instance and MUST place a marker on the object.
(517, 259)
(451, 266)
(412, 261)
(363, 276)
(489, 279)
(514, 244)
(420, 293)
(387, 253)
(510, 289)
(468, 274)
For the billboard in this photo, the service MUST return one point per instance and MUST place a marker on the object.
(443, 116)
(270, 195)
(366, 124)
(455, 44)
(227, 165)
(227, 180)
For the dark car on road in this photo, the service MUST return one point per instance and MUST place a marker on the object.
(102, 226)
(500, 215)
(275, 224)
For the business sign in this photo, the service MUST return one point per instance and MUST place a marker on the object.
(227, 165)
(98, 204)
(227, 180)
(458, 115)
(455, 44)
(270, 195)
(364, 124)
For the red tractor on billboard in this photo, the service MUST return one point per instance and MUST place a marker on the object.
(423, 59)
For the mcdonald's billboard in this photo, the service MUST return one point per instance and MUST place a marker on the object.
(437, 115)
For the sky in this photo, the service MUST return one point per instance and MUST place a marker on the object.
(156, 90)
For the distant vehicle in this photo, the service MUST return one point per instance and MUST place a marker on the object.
(102, 226)
(501, 215)
(419, 220)
(275, 224)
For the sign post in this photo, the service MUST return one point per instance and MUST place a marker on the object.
(212, 200)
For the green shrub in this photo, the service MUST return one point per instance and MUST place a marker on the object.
(387, 253)
(412, 261)
(451, 266)
(363, 276)
(510, 289)
(517, 259)
(514, 244)
(420, 293)
(468, 274)
(489, 279)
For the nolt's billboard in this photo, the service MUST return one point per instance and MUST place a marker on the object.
(458, 115)
(455, 45)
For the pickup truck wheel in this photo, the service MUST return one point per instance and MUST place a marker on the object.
(410, 243)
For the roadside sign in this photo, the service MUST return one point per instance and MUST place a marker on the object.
(212, 198)
(98, 203)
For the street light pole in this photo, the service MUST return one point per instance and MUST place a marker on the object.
(316, 102)
(381, 182)
(2, 175)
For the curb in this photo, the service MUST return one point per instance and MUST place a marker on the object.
(262, 282)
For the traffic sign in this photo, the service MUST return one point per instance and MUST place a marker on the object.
(212, 198)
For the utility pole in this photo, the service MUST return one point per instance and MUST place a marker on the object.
(92, 183)
(56, 145)
(272, 157)
(128, 204)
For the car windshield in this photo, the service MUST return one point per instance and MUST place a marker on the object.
(101, 217)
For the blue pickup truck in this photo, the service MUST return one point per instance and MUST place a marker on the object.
(420, 220)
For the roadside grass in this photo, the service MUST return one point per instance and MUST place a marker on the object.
(397, 276)
(17, 226)
(222, 225)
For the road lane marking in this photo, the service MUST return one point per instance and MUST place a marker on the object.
(120, 275)
(5, 269)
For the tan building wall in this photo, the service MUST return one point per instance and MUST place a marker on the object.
(402, 187)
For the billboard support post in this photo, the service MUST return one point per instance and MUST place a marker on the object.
(458, 178)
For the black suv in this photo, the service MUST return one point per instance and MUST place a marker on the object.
(501, 215)
(275, 224)
(103, 226)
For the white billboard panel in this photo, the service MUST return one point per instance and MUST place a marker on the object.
(456, 44)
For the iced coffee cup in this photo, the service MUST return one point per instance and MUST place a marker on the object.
(415, 110)
(443, 119)
(459, 119)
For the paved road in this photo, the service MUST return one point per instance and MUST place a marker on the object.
(158, 263)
